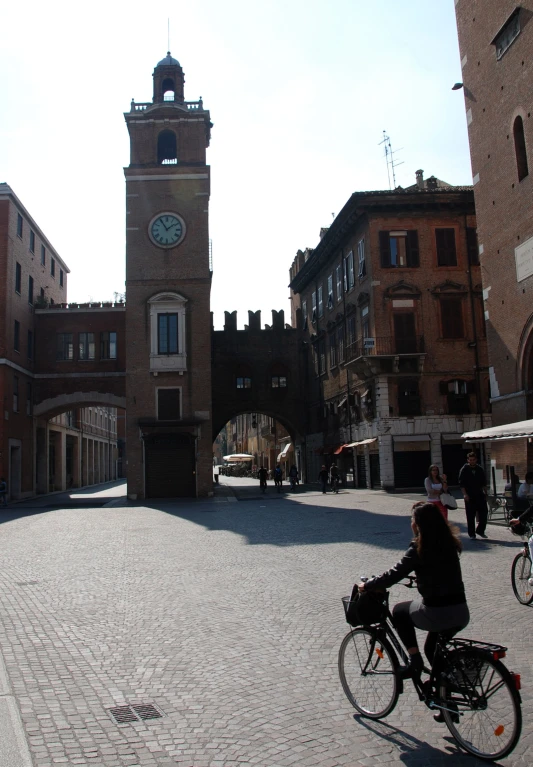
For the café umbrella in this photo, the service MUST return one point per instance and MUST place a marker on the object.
(236, 457)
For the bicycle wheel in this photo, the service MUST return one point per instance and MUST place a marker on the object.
(520, 575)
(367, 670)
(484, 714)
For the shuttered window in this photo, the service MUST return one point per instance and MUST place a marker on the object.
(446, 252)
(399, 249)
(451, 311)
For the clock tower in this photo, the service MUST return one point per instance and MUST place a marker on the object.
(168, 283)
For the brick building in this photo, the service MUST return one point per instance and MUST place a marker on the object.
(168, 284)
(496, 46)
(390, 303)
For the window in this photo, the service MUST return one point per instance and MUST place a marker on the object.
(30, 290)
(167, 151)
(279, 382)
(32, 241)
(508, 34)
(340, 343)
(320, 302)
(333, 350)
(15, 394)
(446, 253)
(361, 268)
(330, 291)
(313, 306)
(472, 246)
(61, 278)
(351, 330)
(338, 277)
(451, 312)
(19, 225)
(322, 357)
(520, 148)
(408, 397)
(244, 383)
(304, 315)
(43, 255)
(167, 333)
(86, 346)
(108, 345)
(16, 336)
(53, 267)
(168, 404)
(65, 346)
(30, 344)
(42, 292)
(345, 275)
(29, 398)
(365, 323)
(457, 395)
(18, 278)
(350, 270)
(399, 249)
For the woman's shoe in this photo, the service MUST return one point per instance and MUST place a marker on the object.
(413, 669)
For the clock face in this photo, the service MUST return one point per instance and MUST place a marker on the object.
(166, 230)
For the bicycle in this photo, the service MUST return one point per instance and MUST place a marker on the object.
(475, 694)
(521, 567)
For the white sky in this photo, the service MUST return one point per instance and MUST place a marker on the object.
(299, 91)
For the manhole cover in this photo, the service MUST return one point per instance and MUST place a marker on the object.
(135, 713)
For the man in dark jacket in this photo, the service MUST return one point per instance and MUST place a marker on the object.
(473, 484)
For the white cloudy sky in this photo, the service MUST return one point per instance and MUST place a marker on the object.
(300, 92)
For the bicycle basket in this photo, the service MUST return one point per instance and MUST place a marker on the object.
(365, 608)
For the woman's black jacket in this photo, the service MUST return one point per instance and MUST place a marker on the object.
(438, 577)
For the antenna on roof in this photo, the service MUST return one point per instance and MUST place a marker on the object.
(168, 34)
(389, 159)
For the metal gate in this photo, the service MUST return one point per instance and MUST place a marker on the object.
(170, 466)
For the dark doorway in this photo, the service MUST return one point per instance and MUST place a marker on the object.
(170, 466)
(453, 458)
(411, 468)
(361, 471)
(375, 475)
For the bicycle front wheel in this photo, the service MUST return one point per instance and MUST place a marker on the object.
(520, 575)
(481, 705)
(367, 670)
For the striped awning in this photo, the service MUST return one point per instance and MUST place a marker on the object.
(517, 430)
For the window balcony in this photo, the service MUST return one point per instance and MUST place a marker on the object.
(382, 355)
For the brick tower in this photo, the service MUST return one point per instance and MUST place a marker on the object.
(168, 283)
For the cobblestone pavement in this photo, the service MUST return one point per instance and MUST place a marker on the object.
(225, 615)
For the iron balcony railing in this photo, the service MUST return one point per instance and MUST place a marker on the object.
(384, 346)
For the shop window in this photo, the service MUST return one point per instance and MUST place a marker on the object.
(451, 312)
(446, 251)
(399, 249)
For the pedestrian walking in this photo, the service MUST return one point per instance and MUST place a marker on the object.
(473, 484)
(278, 478)
(435, 484)
(323, 478)
(293, 476)
(334, 477)
(3, 492)
(263, 475)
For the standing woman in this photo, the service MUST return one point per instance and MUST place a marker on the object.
(436, 484)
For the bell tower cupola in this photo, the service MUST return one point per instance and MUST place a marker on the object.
(168, 81)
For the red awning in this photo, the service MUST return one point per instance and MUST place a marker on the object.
(340, 449)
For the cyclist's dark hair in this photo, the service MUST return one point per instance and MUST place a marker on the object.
(472, 455)
(435, 535)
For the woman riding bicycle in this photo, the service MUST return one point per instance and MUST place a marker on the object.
(434, 557)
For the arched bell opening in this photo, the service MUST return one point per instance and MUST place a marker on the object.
(167, 149)
(168, 89)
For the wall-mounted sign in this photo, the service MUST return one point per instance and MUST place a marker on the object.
(524, 260)
(369, 343)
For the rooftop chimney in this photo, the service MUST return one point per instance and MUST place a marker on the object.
(420, 179)
(431, 182)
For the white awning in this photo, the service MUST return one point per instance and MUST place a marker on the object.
(284, 451)
(362, 442)
(517, 430)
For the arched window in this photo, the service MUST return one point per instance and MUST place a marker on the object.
(167, 150)
(168, 89)
(520, 148)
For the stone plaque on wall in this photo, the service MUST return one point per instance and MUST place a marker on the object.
(524, 260)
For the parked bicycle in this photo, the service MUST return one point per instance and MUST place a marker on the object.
(471, 689)
(521, 567)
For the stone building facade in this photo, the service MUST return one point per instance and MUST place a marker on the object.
(496, 47)
(390, 304)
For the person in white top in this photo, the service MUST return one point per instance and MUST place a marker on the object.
(435, 484)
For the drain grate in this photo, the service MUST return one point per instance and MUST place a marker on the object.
(136, 713)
